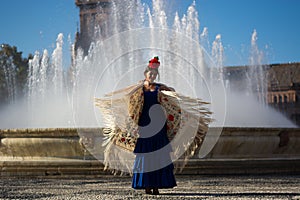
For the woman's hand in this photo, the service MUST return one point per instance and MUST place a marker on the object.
(146, 84)
(149, 86)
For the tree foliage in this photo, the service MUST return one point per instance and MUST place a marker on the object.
(13, 73)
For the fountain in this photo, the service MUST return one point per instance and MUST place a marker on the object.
(9, 70)
(60, 97)
(54, 88)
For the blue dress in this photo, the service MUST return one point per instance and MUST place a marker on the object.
(153, 167)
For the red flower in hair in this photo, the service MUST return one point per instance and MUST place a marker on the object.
(154, 63)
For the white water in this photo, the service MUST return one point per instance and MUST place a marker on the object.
(58, 96)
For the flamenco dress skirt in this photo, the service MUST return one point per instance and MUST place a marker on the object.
(153, 167)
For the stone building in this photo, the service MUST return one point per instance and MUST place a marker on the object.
(93, 21)
(284, 89)
(282, 86)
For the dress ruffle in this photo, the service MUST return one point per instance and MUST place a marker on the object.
(162, 178)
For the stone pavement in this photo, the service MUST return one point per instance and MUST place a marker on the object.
(115, 187)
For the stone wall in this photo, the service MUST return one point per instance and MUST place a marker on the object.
(63, 152)
(72, 143)
(257, 143)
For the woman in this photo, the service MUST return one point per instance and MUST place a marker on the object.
(148, 171)
(141, 121)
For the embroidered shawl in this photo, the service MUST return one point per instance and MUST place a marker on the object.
(187, 124)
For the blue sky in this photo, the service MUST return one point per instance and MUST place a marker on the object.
(34, 25)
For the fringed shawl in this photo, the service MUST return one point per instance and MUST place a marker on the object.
(187, 125)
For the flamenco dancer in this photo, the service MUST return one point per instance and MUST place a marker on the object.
(144, 175)
(153, 120)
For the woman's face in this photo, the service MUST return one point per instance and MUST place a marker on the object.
(151, 76)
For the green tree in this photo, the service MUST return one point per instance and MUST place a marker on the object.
(13, 73)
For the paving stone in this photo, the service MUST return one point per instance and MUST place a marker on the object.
(116, 187)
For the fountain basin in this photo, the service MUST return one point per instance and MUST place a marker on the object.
(62, 151)
(238, 142)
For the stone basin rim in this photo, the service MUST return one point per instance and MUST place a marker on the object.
(75, 132)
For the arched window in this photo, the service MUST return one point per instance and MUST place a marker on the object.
(285, 99)
(280, 99)
(275, 99)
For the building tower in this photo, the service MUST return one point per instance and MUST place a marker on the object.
(93, 22)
